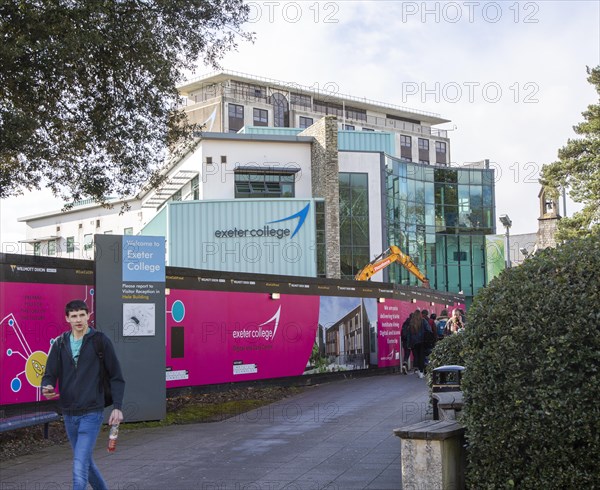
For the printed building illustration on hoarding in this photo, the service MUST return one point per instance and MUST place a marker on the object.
(348, 340)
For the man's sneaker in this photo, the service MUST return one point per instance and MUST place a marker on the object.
(404, 368)
(421, 375)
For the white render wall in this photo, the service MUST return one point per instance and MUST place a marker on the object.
(79, 222)
(369, 163)
(217, 180)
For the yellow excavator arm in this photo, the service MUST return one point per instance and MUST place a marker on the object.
(391, 255)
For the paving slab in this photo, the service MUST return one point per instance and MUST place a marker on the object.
(334, 436)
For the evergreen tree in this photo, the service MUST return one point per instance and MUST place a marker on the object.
(578, 170)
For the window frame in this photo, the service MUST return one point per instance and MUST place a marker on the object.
(235, 116)
(260, 117)
(303, 120)
(256, 185)
(70, 244)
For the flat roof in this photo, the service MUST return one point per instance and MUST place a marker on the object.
(196, 83)
(262, 137)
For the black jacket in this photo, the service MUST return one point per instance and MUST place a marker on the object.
(80, 386)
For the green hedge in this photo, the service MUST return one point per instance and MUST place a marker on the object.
(532, 382)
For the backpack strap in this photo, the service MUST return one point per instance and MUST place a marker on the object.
(99, 348)
(60, 340)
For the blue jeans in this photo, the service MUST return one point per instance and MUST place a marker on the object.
(82, 431)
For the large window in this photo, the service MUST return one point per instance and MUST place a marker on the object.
(301, 100)
(354, 223)
(246, 91)
(255, 184)
(424, 151)
(261, 117)
(329, 108)
(281, 111)
(236, 118)
(305, 122)
(406, 147)
(440, 152)
(356, 114)
(70, 244)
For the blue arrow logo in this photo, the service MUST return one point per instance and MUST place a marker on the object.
(300, 214)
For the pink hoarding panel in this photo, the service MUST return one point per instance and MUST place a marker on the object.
(31, 315)
(219, 337)
(391, 315)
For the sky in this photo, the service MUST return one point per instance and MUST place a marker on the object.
(511, 77)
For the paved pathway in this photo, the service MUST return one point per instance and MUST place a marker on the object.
(335, 436)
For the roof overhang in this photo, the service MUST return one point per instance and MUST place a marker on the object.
(266, 170)
(40, 239)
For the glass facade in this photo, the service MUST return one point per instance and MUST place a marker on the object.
(440, 216)
(354, 223)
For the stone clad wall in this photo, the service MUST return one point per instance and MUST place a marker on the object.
(325, 184)
(546, 230)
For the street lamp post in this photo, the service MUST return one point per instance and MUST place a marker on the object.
(507, 223)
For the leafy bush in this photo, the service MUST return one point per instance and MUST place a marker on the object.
(532, 383)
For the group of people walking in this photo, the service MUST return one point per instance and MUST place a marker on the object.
(420, 332)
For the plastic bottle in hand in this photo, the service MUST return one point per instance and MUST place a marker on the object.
(112, 438)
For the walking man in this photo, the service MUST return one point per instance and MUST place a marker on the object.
(74, 361)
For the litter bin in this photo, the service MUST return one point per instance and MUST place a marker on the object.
(445, 379)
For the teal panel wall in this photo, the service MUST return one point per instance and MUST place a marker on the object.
(268, 236)
(366, 141)
(157, 226)
(270, 130)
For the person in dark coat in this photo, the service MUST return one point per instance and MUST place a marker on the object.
(74, 363)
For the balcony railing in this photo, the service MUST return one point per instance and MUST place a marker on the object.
(323, 93)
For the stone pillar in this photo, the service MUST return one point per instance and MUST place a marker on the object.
(547, 228)
(548, 221)
(432, 455)
(326, 185)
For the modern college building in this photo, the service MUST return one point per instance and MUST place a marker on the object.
(294, 181)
